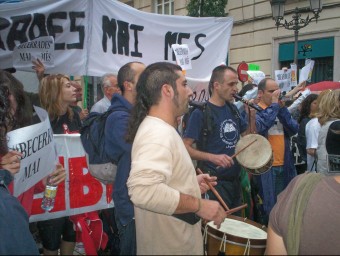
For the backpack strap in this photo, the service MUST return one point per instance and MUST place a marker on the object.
(300, 194)
(207, 124)
(234, 112)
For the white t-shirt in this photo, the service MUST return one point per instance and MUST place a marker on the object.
(312, 134)
(101, 106)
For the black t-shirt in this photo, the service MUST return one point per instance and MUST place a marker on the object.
(73, 125)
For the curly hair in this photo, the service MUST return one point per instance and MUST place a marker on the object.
(305, 106)
(148, 88)
(24, 111)
(50, 94)
(329, 107)
(4, 116)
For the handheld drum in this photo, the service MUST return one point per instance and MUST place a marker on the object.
(258, 157)
(236, 236)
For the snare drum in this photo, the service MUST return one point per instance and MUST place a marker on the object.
(258, 157)
(236, 236)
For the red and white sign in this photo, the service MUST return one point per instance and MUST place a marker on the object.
(80, 192)
(242, 71)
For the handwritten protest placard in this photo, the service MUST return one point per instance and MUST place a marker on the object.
(283, 78)
(40, 48)
(182, 55)
(39, 157)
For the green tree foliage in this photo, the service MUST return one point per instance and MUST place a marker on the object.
(210, 8)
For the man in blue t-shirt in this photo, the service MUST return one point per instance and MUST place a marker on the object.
(213, 150)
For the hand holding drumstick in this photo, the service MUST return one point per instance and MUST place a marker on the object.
(228, 211)
(204, 180)
(238, 152)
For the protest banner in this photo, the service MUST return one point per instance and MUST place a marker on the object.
(41, 150)
(80, 192)
(96, 37)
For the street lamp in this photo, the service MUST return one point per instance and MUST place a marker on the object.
(297, 22)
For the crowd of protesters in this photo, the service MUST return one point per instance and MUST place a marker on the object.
(159, 200)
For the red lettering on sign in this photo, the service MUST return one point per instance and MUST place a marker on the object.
(84, 189)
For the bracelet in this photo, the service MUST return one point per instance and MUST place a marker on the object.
(199, 205)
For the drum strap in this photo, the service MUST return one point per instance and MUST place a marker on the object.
(300, 194)
(208, 127)
(208, 121)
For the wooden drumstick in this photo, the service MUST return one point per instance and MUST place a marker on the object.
(214, 191)
(236, 209)
(238, 152)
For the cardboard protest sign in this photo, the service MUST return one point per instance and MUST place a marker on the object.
(79, 193)
(40, 48)
(311, 62)
(283, 78)
(293, 68)
(304, 72)
(182, 56)
(39, 158)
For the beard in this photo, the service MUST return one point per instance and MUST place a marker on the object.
(183, 107)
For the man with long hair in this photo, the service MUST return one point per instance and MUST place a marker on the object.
(162, 184)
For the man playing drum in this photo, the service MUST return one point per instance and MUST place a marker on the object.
(163, 185)
(276, 124)
(214, 149)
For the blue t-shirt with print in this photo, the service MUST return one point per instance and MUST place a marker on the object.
(226, 129)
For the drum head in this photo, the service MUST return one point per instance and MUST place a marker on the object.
(257, 155)
(239, 228)
(236, 236)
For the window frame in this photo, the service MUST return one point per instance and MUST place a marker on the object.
(163, 3)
